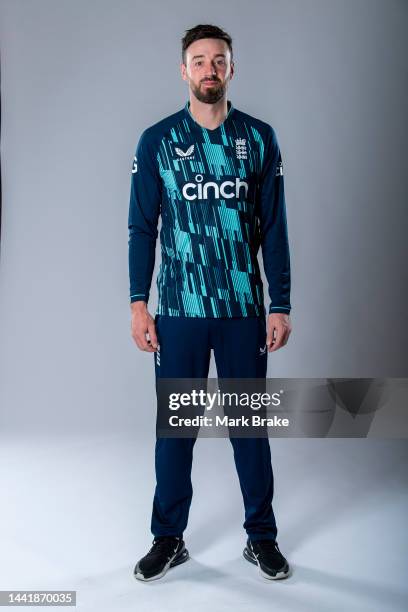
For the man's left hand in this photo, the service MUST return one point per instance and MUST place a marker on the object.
(279, 328)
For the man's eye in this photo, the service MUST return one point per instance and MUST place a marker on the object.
(198, 63)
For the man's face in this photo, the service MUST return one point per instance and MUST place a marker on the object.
(208, 69)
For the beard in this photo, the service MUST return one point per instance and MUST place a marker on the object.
(209, 95)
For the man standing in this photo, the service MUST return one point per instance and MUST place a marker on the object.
(214, 174)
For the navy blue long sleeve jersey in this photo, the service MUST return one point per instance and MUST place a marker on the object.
(220, 194)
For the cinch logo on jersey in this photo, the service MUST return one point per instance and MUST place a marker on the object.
(226, 189)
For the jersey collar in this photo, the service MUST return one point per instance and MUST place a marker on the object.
(196, 125)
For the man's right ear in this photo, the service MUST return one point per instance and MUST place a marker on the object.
(183, 70)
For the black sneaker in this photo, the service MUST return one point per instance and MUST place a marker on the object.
(167, 551)
(267, 556)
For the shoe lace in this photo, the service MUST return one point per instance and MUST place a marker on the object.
(165, 544)
(269, 546)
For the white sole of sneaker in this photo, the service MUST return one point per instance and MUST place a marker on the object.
(183, 557)
(279, 575)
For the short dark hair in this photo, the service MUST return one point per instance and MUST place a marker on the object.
(203, 31)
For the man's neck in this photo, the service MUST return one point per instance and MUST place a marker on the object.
(209, 115)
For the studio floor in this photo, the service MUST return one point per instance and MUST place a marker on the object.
(76, 510)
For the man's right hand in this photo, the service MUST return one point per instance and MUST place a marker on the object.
(143, 323)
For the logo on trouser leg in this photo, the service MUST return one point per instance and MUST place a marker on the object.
(158, 355)
(262, 350)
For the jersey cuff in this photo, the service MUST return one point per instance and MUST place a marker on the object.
(139, 297)
(284, 309)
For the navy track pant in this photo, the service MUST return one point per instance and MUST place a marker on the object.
(185, 349)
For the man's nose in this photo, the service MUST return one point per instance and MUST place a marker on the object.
(210, 72)
(211, 69)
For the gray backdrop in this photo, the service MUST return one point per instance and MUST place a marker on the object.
(80, 81)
